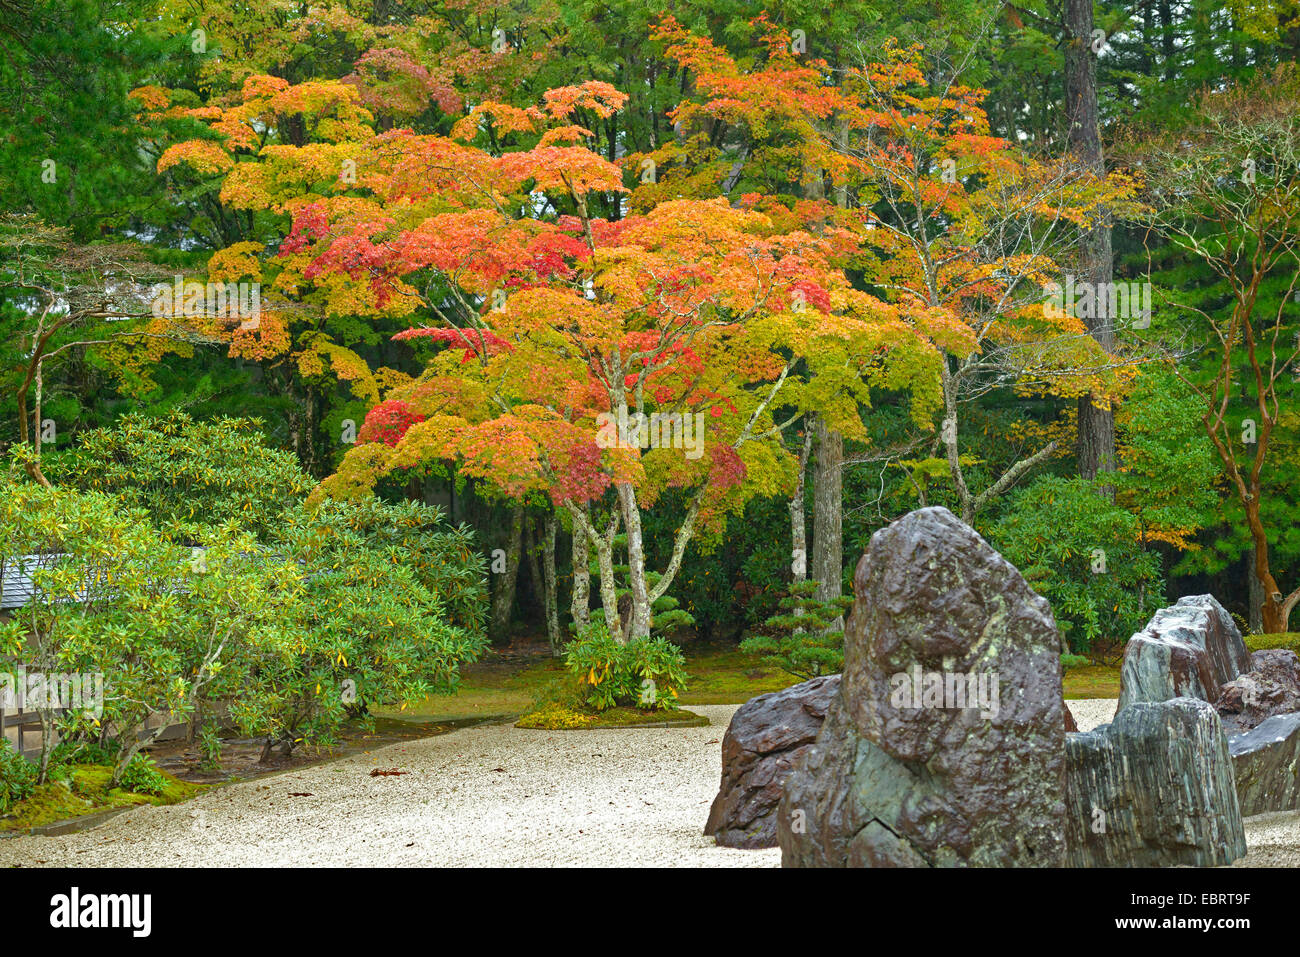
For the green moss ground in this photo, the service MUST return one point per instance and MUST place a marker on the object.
(507, 689)
(715, 675)
(1288, 639)
(87, 792)
(554, 717)
(1102, 681)
(1092, 681)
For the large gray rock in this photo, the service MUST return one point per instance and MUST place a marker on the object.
(1194, 649)
(766, 736)
(1187, 650)
(1153, 788)
(1267, 765)
(897, 781)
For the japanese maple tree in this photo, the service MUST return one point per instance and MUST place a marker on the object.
(550, 330)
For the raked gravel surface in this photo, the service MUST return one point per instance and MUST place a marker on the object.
(493, 795)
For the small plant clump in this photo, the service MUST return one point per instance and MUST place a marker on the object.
(611, 683)
(646, 673)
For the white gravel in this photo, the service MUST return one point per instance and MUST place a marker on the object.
(1091, 712)
(485, 796)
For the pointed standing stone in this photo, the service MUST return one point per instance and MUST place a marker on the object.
(905, 771)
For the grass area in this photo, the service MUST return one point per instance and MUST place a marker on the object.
(728, 676)
(87, 792)
(487, 689)
(715, 675)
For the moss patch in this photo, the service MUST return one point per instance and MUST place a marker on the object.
(729, 676)
(714, 675)
(1287, 639)
(86, 791)
(487, 689)
(1092, 681)
(555, 717)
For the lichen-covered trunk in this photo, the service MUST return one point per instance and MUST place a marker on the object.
(798, 523)
(550, 598)
(608, 590)
(638, 623)
(580, 598)
(828, 516)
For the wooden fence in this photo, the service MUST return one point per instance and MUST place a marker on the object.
(22, 729)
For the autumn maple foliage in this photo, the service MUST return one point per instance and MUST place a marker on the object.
(960, 231)
(542, 318)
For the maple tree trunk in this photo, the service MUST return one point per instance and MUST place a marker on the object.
(638, 624)
(798, 523)
(580, 598)
(827, 565)
(1096, 425)
(608, 591)
(550, 597)
(503, 594)
(583, 525)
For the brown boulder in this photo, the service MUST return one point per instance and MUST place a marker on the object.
(766, 736)
(1271, 687)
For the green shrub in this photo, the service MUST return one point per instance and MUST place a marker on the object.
(104, 600)
(648, 673)
(661, 669)
(142, 776)
(390, 603)
(598, 662)
(17, 776)
(72, 750)
(187, 473)
(1085, 555)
